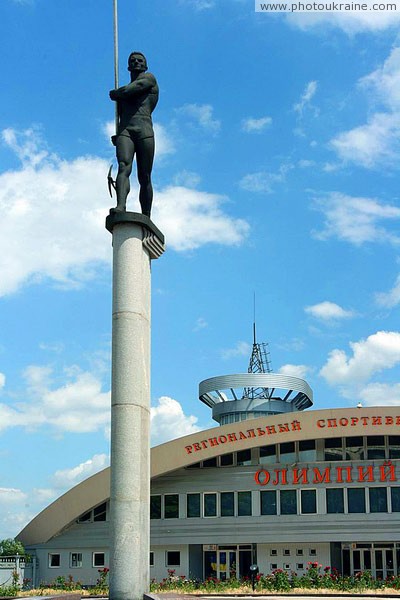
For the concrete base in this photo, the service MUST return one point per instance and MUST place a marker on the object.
(136, 241)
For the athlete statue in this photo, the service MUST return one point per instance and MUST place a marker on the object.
(135, 135)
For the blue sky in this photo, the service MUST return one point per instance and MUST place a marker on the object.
(276, 173)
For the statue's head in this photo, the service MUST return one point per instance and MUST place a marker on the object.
(137, 62)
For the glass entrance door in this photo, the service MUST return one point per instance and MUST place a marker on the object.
(379, 559)
(227, 564)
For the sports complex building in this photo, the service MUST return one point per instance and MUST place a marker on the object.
(274, 484)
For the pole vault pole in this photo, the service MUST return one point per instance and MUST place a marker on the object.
(116, 61)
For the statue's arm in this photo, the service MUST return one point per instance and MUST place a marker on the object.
(135, 88)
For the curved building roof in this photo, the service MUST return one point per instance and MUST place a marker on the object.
(206, 444)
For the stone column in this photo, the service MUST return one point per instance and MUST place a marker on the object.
(136, 241)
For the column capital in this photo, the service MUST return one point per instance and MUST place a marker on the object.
(153, 239)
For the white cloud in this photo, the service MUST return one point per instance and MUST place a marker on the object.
(376, 142)
(292, 345)
(11, 496)
(56, 210)
(305, 164)
(201, 323)
(199, 4)
(372, 143)
(187, 179)
(351, 22)
(251, 125)
(391, 298)
(295, 370)
(202, 115)
(2, 380)
(380, 394)
(372, 355)
(240, 349)
(306, 97)
(168, 420)
(77, 406)
(190, 218)
(355, 219)
(263, 181)
(67, 478)
(328, 311)
(384, 82)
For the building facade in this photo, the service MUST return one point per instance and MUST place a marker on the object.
(278, 490)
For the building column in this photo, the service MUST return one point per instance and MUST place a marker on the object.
(136, 241)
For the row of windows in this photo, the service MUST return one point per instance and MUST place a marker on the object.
(172, 558)
(75, 560)
(213, 504)
(99, 513)
(374, 447)
(338, 500)
(277, 502)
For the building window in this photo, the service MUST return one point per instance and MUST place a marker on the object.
(210, 505)
(226, 460)
(86, 517)
(287, 452)
(152, 559)
(288, 502)
(75, 560)
(286, 552)
(286, 566)
(100, 512)
(155, 507)
(268, 454)
(268, 502)
(307, 451)
(394, 446)
(333, 449)
(300, 566)
(334, 500)
(308, 502)
(227, 504)
(243, 457)
(193, 505)
(378, 500)
(356, 500)
(299, 551)
(54, 561)
(173, 558)
(395, 494)
(273, 552)
(244, 504)
(376, 447)
(313, 552)
(354, 448)
(99, 559)
(210, 462)
(171, 506)
(274, 566)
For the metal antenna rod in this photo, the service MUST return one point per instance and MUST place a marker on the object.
(116, 61)
(254, 318)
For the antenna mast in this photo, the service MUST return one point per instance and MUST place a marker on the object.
(259, 363)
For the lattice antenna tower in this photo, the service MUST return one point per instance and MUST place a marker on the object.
(260, 362)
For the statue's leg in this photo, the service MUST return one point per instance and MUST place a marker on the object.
(144, 160)
(125, 154)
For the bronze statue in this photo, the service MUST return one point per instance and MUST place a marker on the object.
(135, 135)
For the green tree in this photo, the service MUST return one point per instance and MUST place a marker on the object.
(10, 547)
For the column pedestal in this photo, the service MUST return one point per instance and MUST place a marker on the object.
(136, 241)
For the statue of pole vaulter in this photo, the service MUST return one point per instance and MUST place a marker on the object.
(135, 135)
